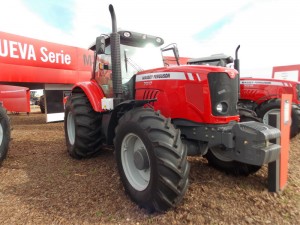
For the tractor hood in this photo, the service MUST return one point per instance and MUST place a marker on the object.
(193, 69)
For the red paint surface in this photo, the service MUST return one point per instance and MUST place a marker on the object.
(14, 98)
(24, 59)
(268, 89)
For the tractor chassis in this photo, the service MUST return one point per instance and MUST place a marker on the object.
(247, 142)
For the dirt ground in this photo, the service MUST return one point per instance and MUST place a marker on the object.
(41, 184)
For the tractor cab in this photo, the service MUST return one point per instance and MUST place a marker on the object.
(138, 52)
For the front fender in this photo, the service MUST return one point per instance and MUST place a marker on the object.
(93, 91)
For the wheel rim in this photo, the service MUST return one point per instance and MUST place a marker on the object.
(71, 128)
(266, 116)
(217, 152)
(1, 134)
(132, 146)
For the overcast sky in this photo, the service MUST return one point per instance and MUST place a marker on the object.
(267, 30)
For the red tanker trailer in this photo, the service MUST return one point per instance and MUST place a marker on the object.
(37, 64)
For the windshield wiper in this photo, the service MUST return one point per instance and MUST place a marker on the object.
(133, 64)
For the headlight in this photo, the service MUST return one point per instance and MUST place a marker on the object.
(158, 40)
(127, 34)
(222, 107)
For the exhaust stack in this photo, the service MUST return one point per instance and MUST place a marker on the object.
(237, 60)
(237, 67)
(115, 58)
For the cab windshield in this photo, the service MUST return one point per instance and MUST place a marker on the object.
(135, 59)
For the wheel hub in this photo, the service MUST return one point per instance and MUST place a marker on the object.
(71, 128)
(141, 160)
(266, 116)
(135, 161)
(1, 134)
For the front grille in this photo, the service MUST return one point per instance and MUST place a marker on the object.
(223, 89)
(298, 91)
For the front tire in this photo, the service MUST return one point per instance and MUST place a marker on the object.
(248, 115)
(82, 126)
(151, 159)
(4, 134)
(216, 159)
(273, 105)
(295, 126)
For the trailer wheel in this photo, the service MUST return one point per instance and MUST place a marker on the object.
(4, 134)
(273, 105)
(82, 126)
(151, 159)
(42, 103)
(216, 159)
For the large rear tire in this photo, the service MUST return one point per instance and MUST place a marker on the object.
(82, 126)
(216, 159)
(4, 134)
(151, 159)
(273, 105)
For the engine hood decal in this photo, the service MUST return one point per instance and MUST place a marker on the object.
(263, 82)
(161, 76)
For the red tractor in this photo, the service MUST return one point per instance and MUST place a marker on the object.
(4, 133)
(155, 118)
(261, 95)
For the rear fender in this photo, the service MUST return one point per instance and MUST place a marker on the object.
(92, 91)
(110, 120)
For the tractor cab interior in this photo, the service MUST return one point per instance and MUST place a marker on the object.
(138, 52)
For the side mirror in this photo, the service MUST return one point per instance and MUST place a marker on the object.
(100, 45)
(176, 52)
(172, 47)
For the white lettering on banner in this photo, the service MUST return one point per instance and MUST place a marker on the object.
(13, 49)
(31, 53)
(161, 76)
(3, 48)
(55, 57)
(291, 75)
(251, 82)
(18, 50)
